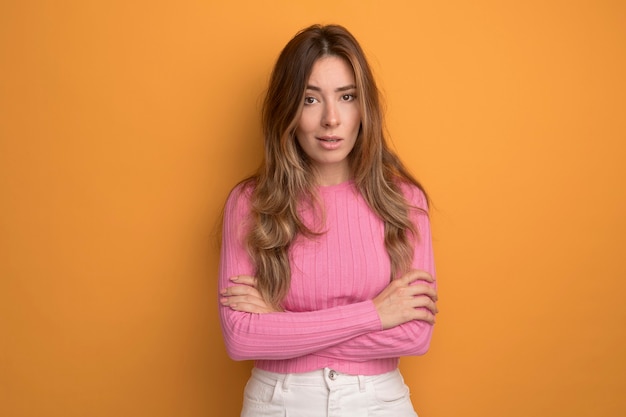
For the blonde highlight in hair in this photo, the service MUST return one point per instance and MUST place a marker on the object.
(286, 181)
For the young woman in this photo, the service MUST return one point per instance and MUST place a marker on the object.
(327, 273)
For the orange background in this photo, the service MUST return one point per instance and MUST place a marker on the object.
(124, 124)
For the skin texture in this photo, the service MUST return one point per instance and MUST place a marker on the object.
(330, 120)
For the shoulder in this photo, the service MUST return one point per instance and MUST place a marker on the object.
(240, 196)
(414, 195)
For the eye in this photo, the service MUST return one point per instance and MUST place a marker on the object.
(348, 97)
(310, 100)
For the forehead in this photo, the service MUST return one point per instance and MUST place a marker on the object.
(331, 71)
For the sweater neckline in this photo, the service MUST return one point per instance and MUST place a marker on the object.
(336, 187)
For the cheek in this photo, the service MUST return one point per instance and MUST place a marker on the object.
(353, 114)
(307, 122)
(355, 120)
(301, 137)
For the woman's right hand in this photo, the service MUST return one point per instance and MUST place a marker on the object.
(244, 296)
(401, 301)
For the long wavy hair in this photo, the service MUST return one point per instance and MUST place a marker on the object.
(285, 180)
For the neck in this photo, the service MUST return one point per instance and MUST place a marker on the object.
(332, 176)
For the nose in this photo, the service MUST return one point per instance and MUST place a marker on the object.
(330, 118)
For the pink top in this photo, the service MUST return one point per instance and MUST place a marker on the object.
(329, 319)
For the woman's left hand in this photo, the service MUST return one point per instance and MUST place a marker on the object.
(244, 296)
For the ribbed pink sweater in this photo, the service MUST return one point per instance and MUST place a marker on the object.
(329, 319)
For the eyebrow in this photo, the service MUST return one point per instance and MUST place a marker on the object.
(340, 89)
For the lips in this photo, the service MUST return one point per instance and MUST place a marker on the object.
(331, 139)
(330, 143)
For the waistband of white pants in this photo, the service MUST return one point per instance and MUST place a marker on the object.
(319, 377)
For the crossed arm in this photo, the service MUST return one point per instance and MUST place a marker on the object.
(398, 303)
(397, 322)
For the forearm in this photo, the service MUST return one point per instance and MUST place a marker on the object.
(287, 335)
(352, 330)
(409, 339)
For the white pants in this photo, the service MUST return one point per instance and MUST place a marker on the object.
(326, 393)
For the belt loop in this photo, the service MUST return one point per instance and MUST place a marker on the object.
(362, 383)
(286, 382)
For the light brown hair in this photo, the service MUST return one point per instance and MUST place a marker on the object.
(285, 179)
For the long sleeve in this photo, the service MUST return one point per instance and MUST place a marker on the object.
(411, 338)
(329, 318)
(284, 335)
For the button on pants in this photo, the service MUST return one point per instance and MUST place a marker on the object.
(326, 393)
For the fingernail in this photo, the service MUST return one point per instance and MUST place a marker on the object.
(234, 278)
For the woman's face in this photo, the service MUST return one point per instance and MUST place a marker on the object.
(330, 120)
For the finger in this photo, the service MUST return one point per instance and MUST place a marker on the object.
(422, 289)
(249, 308)
(416, 275)
(247, 303)
(245, 280)
(423, 313)
(425, 302)
(242, 299)
(425, 316)
(240, 290)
